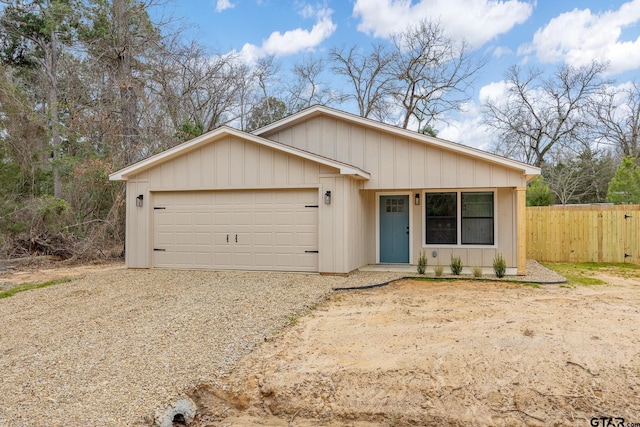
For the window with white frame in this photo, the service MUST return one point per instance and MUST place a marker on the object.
(465, 217)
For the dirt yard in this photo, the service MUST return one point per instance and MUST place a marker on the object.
(453, 353)
(413, 353)
(43, 271)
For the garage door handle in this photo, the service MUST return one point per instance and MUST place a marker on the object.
(236, 238)
(227, 238)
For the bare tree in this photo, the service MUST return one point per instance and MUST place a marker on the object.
(617, 119)
(258, 103)
(434, 73)
(540, 114)
(579, 177)
(370, 77)
(306, 87)
(199, 90)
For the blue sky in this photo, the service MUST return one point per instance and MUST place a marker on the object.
(544, 33)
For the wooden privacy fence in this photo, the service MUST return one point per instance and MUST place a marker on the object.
(584, 233)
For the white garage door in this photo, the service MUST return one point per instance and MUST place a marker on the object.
(245, 230)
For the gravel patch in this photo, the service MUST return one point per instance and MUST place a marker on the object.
(115, 348)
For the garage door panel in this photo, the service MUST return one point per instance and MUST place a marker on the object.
(284, 239)
(202, 218)
(242, 239)
(307, 240)
(262, 239)
(183, 239)
(274, 228)
(202, 259)
(242, 218)
(263, 261)
(307, 260)
(284, 218)
(220, 239)
(283, 260)
(222, 218)
(243, 260)
(162, 258)
(306, 218)
(203, 238)
(162, 218)
(222, 260)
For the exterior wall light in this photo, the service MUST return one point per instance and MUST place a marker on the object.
(327, 198)
(416, 199)
(139, 200)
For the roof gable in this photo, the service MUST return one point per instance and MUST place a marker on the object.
(222, 132)
(313, 112)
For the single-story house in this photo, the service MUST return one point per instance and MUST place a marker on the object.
(323, 191)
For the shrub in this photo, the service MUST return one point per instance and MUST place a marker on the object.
(438, 269)
(477, 271)
(456, 265)
(422, 263)
(499, 265)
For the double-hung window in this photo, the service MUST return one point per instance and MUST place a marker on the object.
(465, 218)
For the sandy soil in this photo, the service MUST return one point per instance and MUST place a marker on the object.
(44, 271)
(444, 353)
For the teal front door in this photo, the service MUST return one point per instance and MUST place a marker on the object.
(394, 229)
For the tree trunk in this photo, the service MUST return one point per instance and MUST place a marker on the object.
(128, 97)
(52, 74)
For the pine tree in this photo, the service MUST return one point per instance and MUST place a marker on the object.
(625, 185)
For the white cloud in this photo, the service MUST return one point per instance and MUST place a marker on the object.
(493, 91)
(501, 51)
(580, 36)
(223, 5)
(467, 128)
(293, 41)
(476, 21)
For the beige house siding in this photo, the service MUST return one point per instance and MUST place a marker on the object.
(394, 162)
(357, 226)
(331, 242)
(137, 252)
(233, 163)
(358, 161)
(227, 164)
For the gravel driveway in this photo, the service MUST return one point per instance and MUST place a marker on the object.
(116, 347)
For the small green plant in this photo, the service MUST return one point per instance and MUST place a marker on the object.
(499, 265)
(30, 286)
(422, 263)
(477, 271)
(438, 269)
(456, 265)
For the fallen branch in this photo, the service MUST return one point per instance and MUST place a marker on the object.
(520, 411)
(580, 366)
(293, 418)
(557, 395)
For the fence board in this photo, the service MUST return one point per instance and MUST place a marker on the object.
(584, 233)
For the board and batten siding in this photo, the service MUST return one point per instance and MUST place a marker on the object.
(234, 163)
(227, 164)
(394, 162)
(346, 226)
